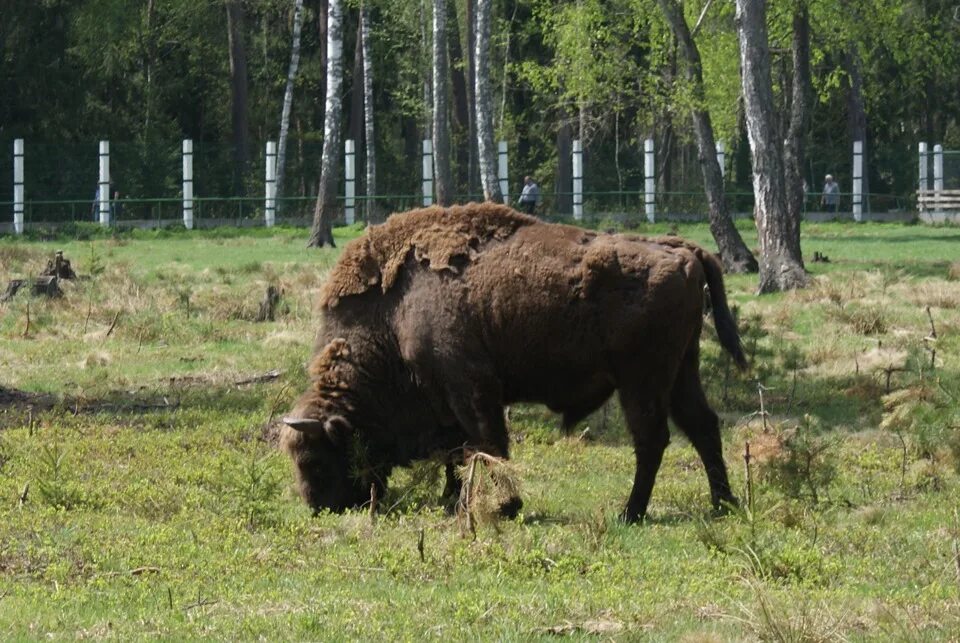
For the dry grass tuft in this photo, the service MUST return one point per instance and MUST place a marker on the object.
(953, 272)
(488, 483)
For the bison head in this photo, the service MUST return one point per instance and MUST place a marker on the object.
(322, 449)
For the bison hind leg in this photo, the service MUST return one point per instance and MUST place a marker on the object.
(693, 415)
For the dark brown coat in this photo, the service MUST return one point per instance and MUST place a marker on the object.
(435, 320)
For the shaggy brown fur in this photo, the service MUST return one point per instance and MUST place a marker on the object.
(438, 238)
(479, 306)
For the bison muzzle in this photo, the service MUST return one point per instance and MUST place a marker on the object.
(435, 320)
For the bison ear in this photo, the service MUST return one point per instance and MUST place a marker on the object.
(338, 429)
(306, 425)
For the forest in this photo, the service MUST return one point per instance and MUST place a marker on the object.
(610, 73)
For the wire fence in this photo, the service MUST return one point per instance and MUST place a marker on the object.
(622, 207)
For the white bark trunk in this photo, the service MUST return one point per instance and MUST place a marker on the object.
(288, 101)
(325, 210)
(487, 150)
(370, 140)
(781, 264)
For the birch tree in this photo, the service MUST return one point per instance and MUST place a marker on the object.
(321, 233)
(485, 144)
(288, 100)
(781, 263)
(441, 121)
(368, 130)
(735, 254)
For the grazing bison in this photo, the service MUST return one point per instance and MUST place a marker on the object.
(435, 320)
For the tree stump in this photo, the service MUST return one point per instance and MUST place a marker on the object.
(268, 306)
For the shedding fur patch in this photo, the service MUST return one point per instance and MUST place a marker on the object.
(442, 239)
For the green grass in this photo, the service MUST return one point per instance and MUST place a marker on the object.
(156, 505)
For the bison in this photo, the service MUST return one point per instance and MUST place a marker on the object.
(435, 320)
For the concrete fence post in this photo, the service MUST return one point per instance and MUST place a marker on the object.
(502, 171)
(427, 172)
(188, 183)
(924, 183)
(938, 174)
(650, 186)
(722, 158)
(18, 186)
(270, 185)
(857, 192)
(350, 176)
(578, 179)
(103, 185)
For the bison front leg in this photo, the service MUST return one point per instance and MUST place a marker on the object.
(481, 416)
(647, 421)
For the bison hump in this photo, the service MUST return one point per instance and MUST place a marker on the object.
(440, 239)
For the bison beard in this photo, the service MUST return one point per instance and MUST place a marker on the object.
(435, 320)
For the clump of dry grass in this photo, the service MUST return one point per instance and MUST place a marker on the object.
(488, 483)
(953, 272)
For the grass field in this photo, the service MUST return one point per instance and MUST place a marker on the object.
(142, 494)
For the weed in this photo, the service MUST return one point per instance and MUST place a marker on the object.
(253, 488)
(805, 462)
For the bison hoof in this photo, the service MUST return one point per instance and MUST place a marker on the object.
(628, 517)
(724, 506)
(511, 507)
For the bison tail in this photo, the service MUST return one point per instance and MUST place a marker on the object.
(722, 317)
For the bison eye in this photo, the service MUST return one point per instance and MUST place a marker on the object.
(338, 429)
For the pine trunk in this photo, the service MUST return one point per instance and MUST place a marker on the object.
(473, 176)
(288, 101)
(781, 264)
(485, 143)
(326, 208)
(238, 94)
(369, 139)
(735, 254)
(793, 149)
(441, 121)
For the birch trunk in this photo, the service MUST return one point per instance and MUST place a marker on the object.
(485, 143)
(368, 130)
(288, 101)
(735, 254)
(781, 264)
(326, 208)
(441, 121)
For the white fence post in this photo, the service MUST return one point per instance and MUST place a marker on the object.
(427, 171)
(270, 185)
(350, 176)
(188, 183)
(937, 173)
(18, 186)
(577, 179)
(721, 158)
(103, 188)
(924, 164)
(857, 197)
(649, 192)
(502, 171)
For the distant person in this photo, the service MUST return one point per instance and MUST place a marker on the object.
(530, 195)
(831, 194)
(95, 211)
(115, 206)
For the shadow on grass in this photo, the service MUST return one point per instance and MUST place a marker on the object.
(20, 408)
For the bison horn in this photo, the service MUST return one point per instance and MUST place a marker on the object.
(307, 425)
